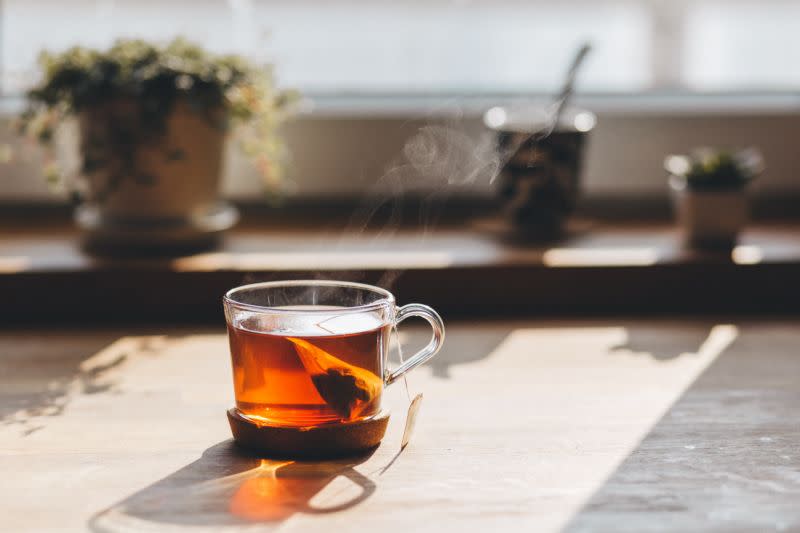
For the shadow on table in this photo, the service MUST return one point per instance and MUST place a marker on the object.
(52, 368)
(465, 346)
(57, 367)
(227, 487)
(651, 341)
(723, 457)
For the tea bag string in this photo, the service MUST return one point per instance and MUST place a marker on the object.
(402, 360)
(413, 406)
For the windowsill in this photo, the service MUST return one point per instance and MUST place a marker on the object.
(461, 267)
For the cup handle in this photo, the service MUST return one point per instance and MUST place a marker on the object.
(433, 318)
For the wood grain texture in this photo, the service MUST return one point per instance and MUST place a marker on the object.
(525, 425)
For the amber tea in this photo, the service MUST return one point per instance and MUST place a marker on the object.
(313, 371)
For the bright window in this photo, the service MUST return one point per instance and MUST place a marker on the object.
(441, 46)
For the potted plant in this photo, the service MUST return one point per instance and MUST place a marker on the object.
(709, 194)
(153, 123)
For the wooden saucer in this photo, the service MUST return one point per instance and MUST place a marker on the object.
(325, 441)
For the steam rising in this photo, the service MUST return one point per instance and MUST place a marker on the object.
(448, 156)
(441, 157)
(438, 159)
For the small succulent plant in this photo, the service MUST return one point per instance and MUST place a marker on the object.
(707, 169)
(226, 90)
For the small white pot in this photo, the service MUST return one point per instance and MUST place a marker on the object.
(709, 219)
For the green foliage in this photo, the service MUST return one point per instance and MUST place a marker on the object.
(708, 169)
(155, 78)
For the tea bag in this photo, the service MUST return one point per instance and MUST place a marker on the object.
(348, 389)
(411, 420)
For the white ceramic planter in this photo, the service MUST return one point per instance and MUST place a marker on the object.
(709, 219)
(178, 204)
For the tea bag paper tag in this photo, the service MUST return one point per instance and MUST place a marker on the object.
(411, 420)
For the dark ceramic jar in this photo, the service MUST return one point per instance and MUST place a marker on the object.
(540, 178)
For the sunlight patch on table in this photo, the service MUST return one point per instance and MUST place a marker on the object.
(569, 404)
(521, 437)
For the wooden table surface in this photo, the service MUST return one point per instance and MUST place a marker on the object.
(613, 425)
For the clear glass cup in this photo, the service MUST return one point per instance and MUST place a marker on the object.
(306, 353)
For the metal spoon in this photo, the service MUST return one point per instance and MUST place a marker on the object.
(560, 103)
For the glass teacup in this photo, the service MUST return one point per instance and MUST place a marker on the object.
(307, 353)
